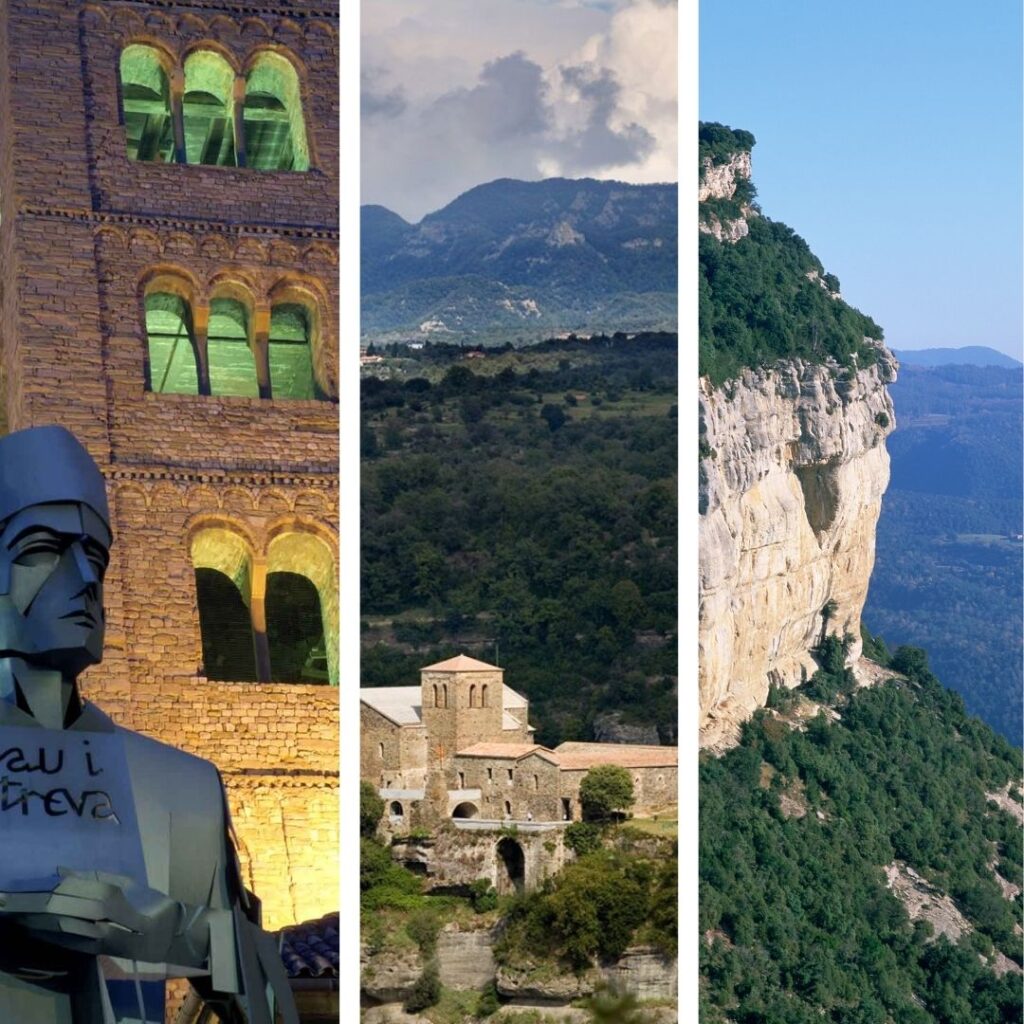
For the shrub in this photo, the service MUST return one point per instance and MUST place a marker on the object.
(583, 837)
(371, 809)
(483, 896)
(426, 992)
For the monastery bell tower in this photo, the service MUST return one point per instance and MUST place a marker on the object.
(462, 705)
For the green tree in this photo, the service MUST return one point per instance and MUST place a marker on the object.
(605, 790)
(371, 809)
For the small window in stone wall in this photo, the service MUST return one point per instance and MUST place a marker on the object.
(171, 345)
(207, 110)
(490, 774)
(146, 105)
(295, 631)
(204, 112)
(232, 368)
(289, 353)
(462, 780)
(380, 751)
(225, 628)
(510, 776)
(275, 132)
(271, 627)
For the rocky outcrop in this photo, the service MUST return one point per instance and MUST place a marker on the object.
(793, 467)
(719, 181)
(610, 727)
(388, 976)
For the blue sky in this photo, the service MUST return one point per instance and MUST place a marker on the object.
(889, 137)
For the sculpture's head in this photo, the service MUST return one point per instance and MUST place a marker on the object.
(54, 540)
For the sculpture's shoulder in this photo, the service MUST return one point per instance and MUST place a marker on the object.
(175, 776)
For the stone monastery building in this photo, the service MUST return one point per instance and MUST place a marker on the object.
(460, 746)
(168, 266)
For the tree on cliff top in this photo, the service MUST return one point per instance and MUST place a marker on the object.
(605, 790)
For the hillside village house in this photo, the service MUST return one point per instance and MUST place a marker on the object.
(460, 746)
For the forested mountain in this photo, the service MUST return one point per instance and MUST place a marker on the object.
(948, 574)
(521, 505)
(968, 355)
(521, 260)
(862, 865)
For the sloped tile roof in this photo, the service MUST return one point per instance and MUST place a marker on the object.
(399, 703)
(516, 751)
(628, 755)
(461, 663)
(310, 949)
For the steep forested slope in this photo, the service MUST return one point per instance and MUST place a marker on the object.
(808, 833)
(523, 506)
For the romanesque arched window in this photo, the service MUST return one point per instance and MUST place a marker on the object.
(289, 352)
(483, 696)
(170, 343)
(302, 609)
(437, 697)
(272, 619)
(275, 131)
(472, 695)
(223, 567)
(444, 694)
(146, 104)
(229, 355)
(207, 109)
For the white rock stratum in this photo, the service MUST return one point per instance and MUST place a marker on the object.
(789, 501)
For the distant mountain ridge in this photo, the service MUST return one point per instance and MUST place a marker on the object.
(969, 355)
(529, 258)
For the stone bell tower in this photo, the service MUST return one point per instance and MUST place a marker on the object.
(462, 705)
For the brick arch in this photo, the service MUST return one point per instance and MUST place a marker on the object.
(254, 27)
(316, 27)
(171, 278)
(190, 25)
(213, 521)
(94, 13)
(251, 250)
(208, 45)
(238, 499)
(145, 242)
(161, 24)
(179, 244)
(200, 498)
(312, 503)
(273, 500)
(221, 27)
(107, 234)
(319, 254)
(130, 495)
(299, 524)
(127, 22)
(167, 57)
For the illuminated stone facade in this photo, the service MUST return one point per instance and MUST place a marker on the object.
(245, 486)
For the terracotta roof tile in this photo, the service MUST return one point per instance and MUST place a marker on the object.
(628, 755)
(461, 663)
(516, 751)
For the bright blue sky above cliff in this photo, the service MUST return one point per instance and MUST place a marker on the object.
(889, 137)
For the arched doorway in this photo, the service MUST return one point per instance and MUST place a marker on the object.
(465, 810)
(511, 866)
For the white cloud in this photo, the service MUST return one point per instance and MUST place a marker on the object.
(463, 91)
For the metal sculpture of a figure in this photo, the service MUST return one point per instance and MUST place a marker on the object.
(115, 852)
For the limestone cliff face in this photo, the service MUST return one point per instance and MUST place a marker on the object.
(792, 473)
(719, 182)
